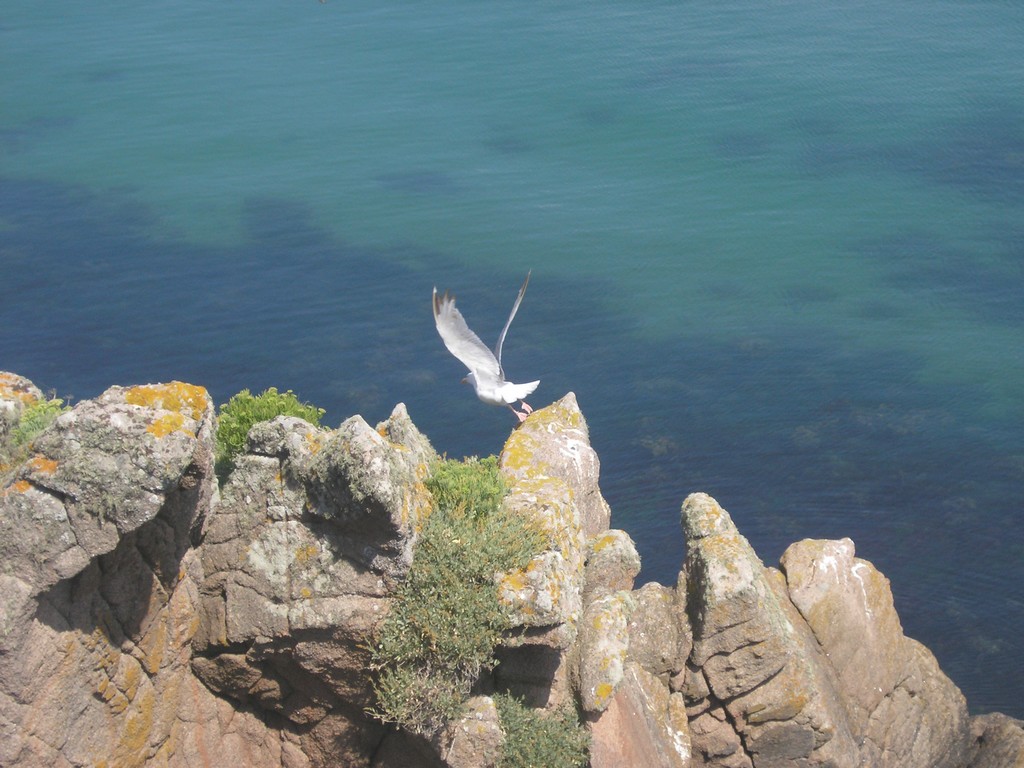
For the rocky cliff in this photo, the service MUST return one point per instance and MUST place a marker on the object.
(149, 616)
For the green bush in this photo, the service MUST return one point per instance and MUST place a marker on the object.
(238, 415)
(473, 483)
(16, 444)
(447, 618)
(539, 740)
(34, 420)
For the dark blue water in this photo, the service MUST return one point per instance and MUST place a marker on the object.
(777, 253)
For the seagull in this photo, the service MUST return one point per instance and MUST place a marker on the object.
(485, 372)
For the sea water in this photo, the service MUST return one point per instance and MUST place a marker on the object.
(777, 249)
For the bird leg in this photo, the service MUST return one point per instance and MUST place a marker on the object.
(526, 407)
(521, 416)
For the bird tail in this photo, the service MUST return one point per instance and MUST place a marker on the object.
(512, 392)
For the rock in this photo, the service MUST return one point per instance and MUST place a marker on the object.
(148, 617)
(403, 435)
(555, 442)
(603, 645)
(760, 662)
(612, 564)
(549, 468)
(660, 638)
(98, 672)
(901, 707)
(271, 566)
(548, 592)
(403, 750)
(103, 470)
(535, 671)
(715, 742)
(643, 725)
(311, 529)
(999, 742)
(16, 394)
(475, 739)
(371, 490)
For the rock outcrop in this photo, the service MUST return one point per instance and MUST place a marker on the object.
(810, 667)
(149, 616)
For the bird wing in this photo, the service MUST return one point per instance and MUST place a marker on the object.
(515, 308)
(461, 341)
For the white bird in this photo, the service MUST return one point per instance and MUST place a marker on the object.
(485, 372)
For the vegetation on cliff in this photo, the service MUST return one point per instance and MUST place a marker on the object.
(238, 415)
(534, 739)
(448, 619)
(37, 416)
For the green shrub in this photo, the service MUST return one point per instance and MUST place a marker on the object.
(447, 618)
(238, 415)
(473, 483)
(16, 445)
(34, 420)
(540, 740)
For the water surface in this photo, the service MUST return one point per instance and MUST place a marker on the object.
(777, 253)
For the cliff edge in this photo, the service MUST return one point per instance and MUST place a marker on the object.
(152, 616)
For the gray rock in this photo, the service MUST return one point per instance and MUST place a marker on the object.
(99, 673)
(612, 564)
(548, 592)
(549, 469)
(660, 639)
(403, 750)
(999, 742)
(760, 661)
(403, 435)
(100, 471)
(555, 442)
(474, 740)
(16, 394)
(602, 648)
(902, 709)
(371, 491)
(148, 618)
(310, 530)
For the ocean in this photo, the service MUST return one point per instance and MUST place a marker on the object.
(777, 249)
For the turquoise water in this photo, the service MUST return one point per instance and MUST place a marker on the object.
(777, 252)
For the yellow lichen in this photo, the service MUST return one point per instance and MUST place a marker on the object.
(186, 399)
(416, 506)
(514, 581)
(519, 452)
(602, 691)
(153, 645)
(132, 678)
(605, 541)
(557, 415)
(13, 388)
(20, 486)
(306, 553)
(130, 749)
(42, 465)
(314, 442)
(168, 423)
